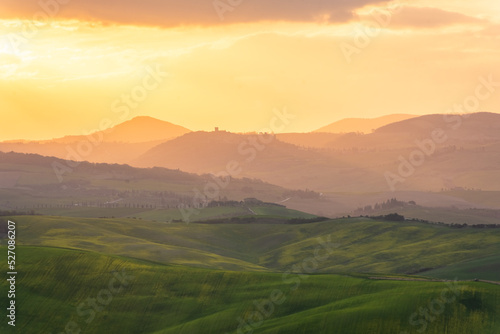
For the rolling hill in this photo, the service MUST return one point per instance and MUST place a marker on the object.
(265, 244)
(137, 130)
(118, 144)
(49, 185)
(363, 125)
(91, 275)
(468, 130)
(133, 296)
(256, 154)
(336, 165)
(453, 152)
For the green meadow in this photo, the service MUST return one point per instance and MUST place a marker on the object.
(69, 291)
(264, 275)
(267, 244)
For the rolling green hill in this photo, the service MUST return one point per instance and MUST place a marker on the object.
(487, 268)
(61, 290)
(166, 215)
(266, 244)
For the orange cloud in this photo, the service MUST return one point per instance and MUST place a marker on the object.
(168, 13)
(426, 17)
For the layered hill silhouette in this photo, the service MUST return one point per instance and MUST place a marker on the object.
(262, 157)
(426, 153)
(457, 151)
(49, 185)
(468, 129)
(211, 151)
(363, 125)
(119, 144)
(140, 129)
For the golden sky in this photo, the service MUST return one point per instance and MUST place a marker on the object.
(232, 65)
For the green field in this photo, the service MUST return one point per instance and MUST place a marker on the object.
(166, 215)
(54, 286)
(487, 268)
(266, 244)
(299, 277)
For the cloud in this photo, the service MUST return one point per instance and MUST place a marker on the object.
(427, 17)
(170, 13)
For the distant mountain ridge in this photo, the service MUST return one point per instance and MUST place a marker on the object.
(468, 129)
(363, 125)
(119, 144)
(140, 129)
(325, 162)
(201, 152)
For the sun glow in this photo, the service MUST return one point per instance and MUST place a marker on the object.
(234, 75)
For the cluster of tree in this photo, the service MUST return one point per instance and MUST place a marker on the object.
(475, 225)
(397, 217)
(390, 204)
(4, 213)
(482, 225)
(247, 201)
(307, 220)
(223, 201)
(267, 220)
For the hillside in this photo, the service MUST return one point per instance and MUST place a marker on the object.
(118, 144)
(317, 140)
(360, 245)
(137, 130)
(49, 185)
(457, 157)
(455, 152)
(464, 130)
(363, 125)
(29, 182)
(334, 165)
(148, 278)
(151, 298)
(257, 156)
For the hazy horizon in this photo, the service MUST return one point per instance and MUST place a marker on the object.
(351, 127)
(205, 67)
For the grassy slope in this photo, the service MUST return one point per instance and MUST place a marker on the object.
(363, 245)
(487, 268)
(167, 299)
(165, 215)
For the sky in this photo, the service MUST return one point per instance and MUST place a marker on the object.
(71, 67)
